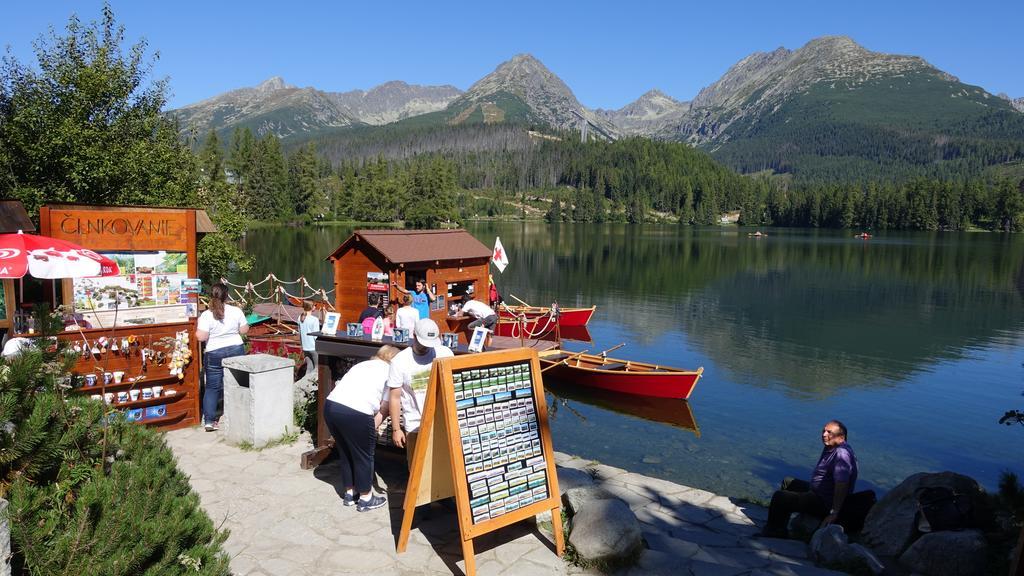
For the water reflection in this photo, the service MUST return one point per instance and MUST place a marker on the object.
(672, 411)
(815, 312)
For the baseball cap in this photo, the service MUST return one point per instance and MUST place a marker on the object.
(427, 333)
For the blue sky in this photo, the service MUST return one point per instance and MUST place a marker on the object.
(608, 53)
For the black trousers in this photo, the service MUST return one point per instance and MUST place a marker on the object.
(794, 496)
(355, 439)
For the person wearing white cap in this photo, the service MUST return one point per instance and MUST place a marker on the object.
(408, 377)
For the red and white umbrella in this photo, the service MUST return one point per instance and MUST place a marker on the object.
(45, 257)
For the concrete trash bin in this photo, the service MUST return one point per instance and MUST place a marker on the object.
(258, 398)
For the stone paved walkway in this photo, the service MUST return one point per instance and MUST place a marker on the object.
(287, 521)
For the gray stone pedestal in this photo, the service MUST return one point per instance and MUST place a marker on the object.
(258, 398)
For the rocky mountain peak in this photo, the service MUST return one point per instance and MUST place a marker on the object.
(273, 83)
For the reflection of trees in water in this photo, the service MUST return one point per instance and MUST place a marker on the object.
(815, 311)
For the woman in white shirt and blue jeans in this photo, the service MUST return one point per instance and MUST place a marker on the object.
(221, 326)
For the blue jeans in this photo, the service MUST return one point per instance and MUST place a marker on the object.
(214, 393)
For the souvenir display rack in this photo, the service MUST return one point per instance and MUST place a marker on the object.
(162, 349)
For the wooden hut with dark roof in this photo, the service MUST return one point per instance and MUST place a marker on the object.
(452, 263)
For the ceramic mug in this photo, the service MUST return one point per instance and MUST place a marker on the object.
(96, 397)
(147, 393)
(90, 380)
(170, 392)
(108, 378)
(122, 396)
(118, 376)
(157, 390)
(108, 397)
(134, 394)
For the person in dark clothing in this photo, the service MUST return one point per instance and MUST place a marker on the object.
(372, 310)
(832, 480)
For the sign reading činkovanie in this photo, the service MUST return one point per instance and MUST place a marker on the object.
(122, 230)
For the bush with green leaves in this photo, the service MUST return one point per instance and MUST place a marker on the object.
(90, 493)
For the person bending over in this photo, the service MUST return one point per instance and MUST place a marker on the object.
(352, 413)
(408, 378)
(832, 481)
(483, 314)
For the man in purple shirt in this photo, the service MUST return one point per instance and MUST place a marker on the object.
(831, 482)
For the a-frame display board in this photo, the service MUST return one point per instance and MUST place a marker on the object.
(488, 412)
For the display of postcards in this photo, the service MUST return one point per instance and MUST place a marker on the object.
(471, 468)
(497, 509)
(477, 492)
(515, 466)
(502, 396)
(487, 427)
(463, 404)
(535, 461)
(533, 425)
(536, 444)
(500, 486)
(487, 399)
(481, 509)
(496, 479)
(459, 395)
(517, 489)
(489, 417)
(480, 518)
(478, 484)
(523, 392)
(517, 481)
(511, 506)
(501, 495)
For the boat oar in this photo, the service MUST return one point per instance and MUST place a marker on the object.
(518, 300)
(564, 361)
(604, 353)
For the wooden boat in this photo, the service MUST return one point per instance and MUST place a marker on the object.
(566, 316)
(317, 304)
(623, 376)
(863, 236)
(541, 329)
(672, 411)
(757, 234)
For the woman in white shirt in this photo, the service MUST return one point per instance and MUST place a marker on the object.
(352, 414)
(221, 326)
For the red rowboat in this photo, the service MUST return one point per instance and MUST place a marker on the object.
(623, 376)
(317, 304)
(566, 316)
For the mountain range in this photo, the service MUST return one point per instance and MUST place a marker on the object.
(830, 105)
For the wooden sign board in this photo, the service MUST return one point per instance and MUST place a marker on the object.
(122, 229)
(490, 414)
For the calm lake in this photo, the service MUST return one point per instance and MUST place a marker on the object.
(914, 340)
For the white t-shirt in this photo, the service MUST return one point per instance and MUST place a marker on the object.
(406, 317)
(477, 309)
(223, 333)
(362, 387)
(411, 373)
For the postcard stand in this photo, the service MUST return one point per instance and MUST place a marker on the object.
(487, 411)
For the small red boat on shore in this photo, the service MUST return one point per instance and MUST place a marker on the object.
(624, 376)
(863, 236)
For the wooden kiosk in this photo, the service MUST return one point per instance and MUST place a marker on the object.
(452, 263)
(135, 334)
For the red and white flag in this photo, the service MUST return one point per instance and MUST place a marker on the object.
(499, 257)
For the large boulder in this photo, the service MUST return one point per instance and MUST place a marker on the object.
(575, 499)
(947, 554)
(829, 544)
(569, 478)
(605, 531)
(891, 525)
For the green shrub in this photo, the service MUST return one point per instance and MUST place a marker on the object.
(90, 493)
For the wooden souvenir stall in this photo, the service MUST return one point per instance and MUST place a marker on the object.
(485, 434)
(452, 262)
(133, 334)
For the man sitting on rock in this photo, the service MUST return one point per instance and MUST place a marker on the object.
(832, 480)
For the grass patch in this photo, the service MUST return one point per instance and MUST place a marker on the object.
(287, 439)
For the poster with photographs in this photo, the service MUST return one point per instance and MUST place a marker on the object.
(148, 290)
(505, 462)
